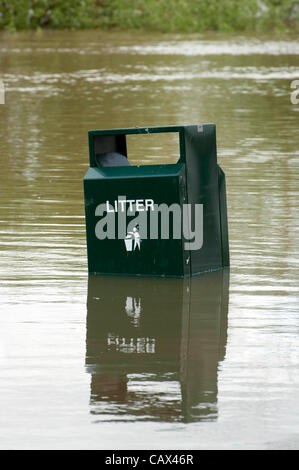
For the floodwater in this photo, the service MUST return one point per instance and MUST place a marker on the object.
(103, 363)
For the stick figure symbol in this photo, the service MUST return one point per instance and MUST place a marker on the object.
(131, 237)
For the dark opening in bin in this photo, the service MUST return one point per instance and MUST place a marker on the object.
(110, 150)
(132, 149)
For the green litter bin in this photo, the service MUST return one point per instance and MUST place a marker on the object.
(155, 220)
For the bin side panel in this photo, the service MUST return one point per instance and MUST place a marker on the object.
(223, 218)
(203, 188)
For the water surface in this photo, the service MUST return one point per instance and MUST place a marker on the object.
(102, 363)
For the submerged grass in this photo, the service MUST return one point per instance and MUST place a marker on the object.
(187, 16)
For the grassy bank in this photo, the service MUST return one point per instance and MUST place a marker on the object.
(158, 15)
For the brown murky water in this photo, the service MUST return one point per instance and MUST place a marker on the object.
(103, 363)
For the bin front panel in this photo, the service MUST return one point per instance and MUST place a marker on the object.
(124, 251)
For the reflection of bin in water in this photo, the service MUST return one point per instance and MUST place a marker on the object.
(153, 346)
(181, 207)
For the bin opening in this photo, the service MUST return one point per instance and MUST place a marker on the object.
(110, 150)
(143, 149)
(112, 159)
(160, 148)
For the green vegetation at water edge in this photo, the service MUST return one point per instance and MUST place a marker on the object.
(188, 16)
